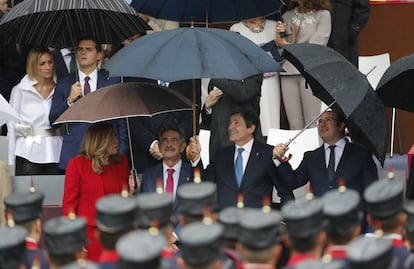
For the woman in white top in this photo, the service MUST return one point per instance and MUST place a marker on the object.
(261, 31)
(306, 21)
(34, 147)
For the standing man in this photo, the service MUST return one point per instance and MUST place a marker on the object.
(246, 167)
(72, 87)
(224, 95)
(350, 162)
(348, 19)
(336, 159)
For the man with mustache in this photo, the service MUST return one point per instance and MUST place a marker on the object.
(174, 169)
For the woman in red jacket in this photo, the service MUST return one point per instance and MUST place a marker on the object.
(97, 171)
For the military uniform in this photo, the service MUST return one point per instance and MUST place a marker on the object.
(409, 226)
(341, 211)
(140, 249)
(385, 199)
(115, 214)
(200, 243)
(65, 236)
(12, 248)
(370, 252)
(154, 209)
(259, 231)
(303, 220)
(27, 207)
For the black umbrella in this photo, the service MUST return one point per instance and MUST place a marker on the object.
(396, 87)
(207, 11)
(58, 23)
(334, 79)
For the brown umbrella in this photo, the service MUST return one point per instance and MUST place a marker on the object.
(125, 100)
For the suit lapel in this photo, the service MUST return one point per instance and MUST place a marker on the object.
(345, 156)
(320, 163)
(254, 157)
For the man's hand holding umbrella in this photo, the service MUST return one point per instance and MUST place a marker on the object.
(193, 149)
(75, 92)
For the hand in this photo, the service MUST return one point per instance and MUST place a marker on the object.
(280, 150)
(280, 27)
(155, 151)
(213, 97)
(75, 92)
(131, 183)
(193, 149)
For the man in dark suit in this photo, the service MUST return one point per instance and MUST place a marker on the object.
(74, 86)
(62, 59)
(223, 96)
(172, 144)
(253, 174)
(352, 163)
(348, 19)
(144, 131)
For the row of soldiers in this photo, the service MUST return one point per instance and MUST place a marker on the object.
(137, 232)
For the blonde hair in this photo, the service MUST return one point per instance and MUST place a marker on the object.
(33, 60)
(95, 143)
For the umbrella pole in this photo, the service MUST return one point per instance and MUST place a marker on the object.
(133, 170)
(392, 132)
(194, 109)
(309, 124)
(189, 154)
(286, 159)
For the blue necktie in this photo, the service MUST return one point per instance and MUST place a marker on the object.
(238, 166)
(331, 164)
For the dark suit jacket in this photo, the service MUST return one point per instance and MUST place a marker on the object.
(356, 167)
(59, 63)
(348, 19)
(244, 93)
(258, 179)
(74, 132)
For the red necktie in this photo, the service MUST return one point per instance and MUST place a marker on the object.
(86, 86)
(170, 181)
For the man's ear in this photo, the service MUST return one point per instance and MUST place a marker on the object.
(99, 56)
(342, 127)
(251, 129)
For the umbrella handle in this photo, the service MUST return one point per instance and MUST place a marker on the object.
(284, 159)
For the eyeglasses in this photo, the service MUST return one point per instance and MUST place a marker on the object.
(326, 120)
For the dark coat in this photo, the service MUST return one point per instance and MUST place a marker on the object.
(348, 19)
(236, 93)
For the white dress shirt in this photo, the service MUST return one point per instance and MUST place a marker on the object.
(93, 80)
(33, 111)
(339, 149)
